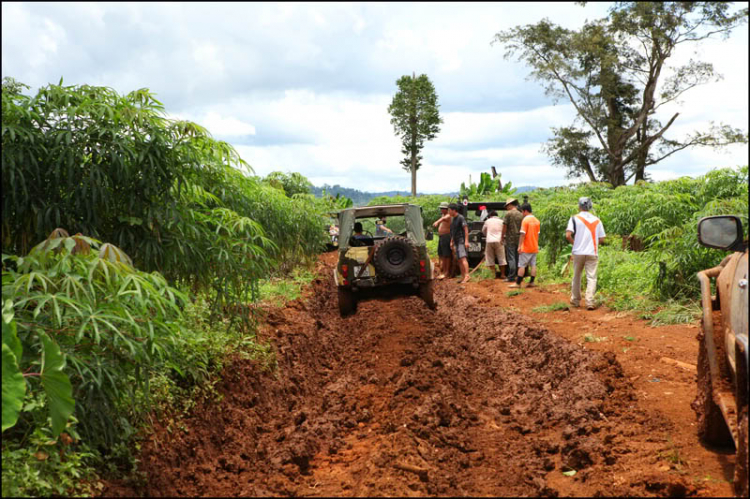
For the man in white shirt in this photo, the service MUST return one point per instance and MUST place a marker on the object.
(585, 232)
(494, 251)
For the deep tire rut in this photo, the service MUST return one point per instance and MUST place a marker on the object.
(402, 400)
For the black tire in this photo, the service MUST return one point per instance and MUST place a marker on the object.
(741, 462)
(712, 429)
(395, 257)
(427, 293)
(347, 302)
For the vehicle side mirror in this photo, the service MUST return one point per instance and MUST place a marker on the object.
(721, 232)
(428, 236)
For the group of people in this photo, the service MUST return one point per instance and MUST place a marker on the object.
(512, 243)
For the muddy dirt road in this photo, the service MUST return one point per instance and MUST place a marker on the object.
(481, 397)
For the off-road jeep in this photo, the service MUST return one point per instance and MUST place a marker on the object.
(722, 401)
(477, 240)
(398, 260)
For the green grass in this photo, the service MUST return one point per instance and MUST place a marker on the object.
(560, 305)
(630, 338)
(625, 282)
(515, 292)
(592, 338)
(279, 290)
(674, 313)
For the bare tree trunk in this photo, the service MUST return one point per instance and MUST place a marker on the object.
(414, 144)
(414, 174)
(617, 171)
(640, 162)
(586, 165)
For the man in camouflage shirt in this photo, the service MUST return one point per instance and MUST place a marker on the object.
(511, 233)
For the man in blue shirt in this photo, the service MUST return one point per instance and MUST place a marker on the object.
(460, 241)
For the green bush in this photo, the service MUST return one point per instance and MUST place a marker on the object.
(176, 200)
(663, 216)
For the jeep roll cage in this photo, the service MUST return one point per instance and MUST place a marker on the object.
(412, 214)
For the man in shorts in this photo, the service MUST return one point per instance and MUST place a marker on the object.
(460, 241)
(443, 225)
(494, 251)
(528, 246)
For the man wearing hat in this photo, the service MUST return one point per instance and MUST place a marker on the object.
(443, 225)
(585, 232)
(511, 235)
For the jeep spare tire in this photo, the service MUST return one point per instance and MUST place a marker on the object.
(395, 257)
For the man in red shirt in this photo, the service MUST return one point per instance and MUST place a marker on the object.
(528, 246)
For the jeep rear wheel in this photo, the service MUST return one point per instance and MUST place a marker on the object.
(395, 257)
(712, 428)
(347, 302)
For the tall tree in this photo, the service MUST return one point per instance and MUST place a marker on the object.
(613, 72)
(415, 118)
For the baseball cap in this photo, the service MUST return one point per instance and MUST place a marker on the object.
(444, 204)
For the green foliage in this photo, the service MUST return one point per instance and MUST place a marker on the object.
(487, 189)
(291, 183)
(56, 384)
(674, 312)
(415, 118)
(172, 197)
(91, 343)
(14, 387)
(280, 290)
(110, 323)
(46, 467)
(660, 217)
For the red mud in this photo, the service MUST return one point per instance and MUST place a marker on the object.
(472, 399)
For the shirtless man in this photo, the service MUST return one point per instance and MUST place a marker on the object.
(443, 225)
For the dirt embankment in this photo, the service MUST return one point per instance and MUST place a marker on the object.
(400, 400)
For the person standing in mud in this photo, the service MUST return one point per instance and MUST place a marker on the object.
(585, 232)
(460, 241)
(494, 251)
(381, 229)
(511, 232)
(443, 225)
(528, 246)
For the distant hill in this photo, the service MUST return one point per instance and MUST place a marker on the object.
(361, 198)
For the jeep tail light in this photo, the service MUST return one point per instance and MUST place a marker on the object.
(345, 271)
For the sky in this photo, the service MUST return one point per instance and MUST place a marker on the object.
(305, 87)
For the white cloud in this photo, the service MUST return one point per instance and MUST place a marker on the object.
(305, 86)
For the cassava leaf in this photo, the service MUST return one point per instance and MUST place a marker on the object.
(14, 387)
(56, 385)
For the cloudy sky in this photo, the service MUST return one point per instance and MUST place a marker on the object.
(306, 86)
